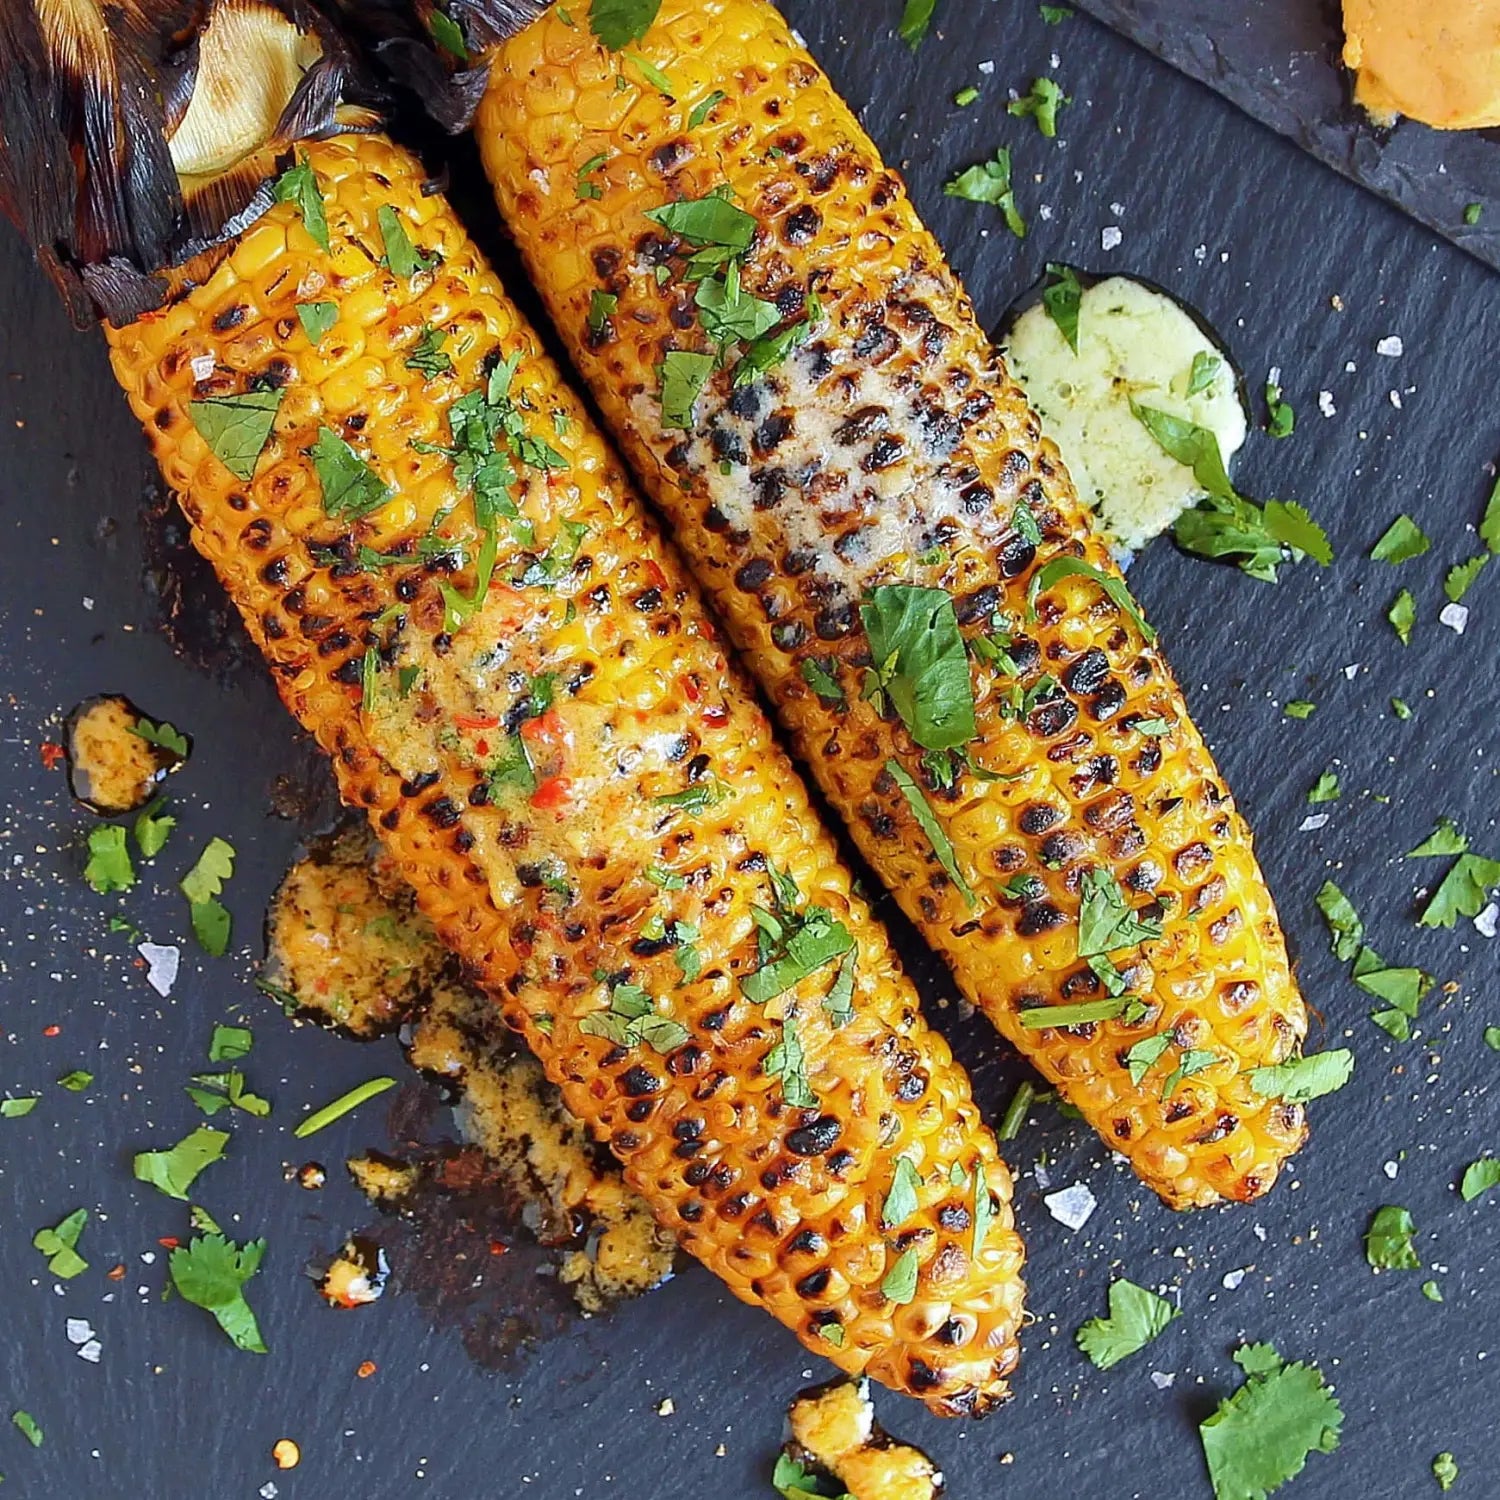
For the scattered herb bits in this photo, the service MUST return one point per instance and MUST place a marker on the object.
(1136, 1317)
(1388, 1240)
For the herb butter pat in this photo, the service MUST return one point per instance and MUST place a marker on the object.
(1134, 344)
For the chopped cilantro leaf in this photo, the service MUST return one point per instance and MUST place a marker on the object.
(927, 820)
(1055, 15)
(152, 828)
(1325, 789)
(447, 34)
(1479, 1177)
(427, 357)
(164, 735)
(1300, 708)
(584, 187)
(705, 107)
(666, 879)
(920, 662)
(1445, 1466)
(1143, 1056)
(1403, 540)
(1460, 578)
(59, 1244)
(1106, 923)
(237, 428)
(1388, 1240)
(299, 185)
(694, 799)
(1403, 616)
(1136, 1317)
(1203, 372)
(316, 319)
(1192, 1060)
(108, 868)
(618, 23)
(916, 22)
(683, 377)
(984, 1208)
(1303, 1078)
(211, 1272)
(1464, 891)
(1114, 588)
(989, 182)
(1489, 523)
(212, 1092)
(16, 1109)
(901, 1201)
(1473, 212)
(709, 221)
(1432, 1291)
(602, 307)
(230, 1043)
(823, 683)
(1261, 1436)
(1344, 925)
(403, 258)
(350, 487)
(1402, 988)
(174, 1170)
(1401, 708)
(788, 1062)
(899, 1284)
(1079, 1013)
(1042, 104)
(633, 1020)
(793, 1482)
(28, 1427)
(966, 96)
(1446, 839)
(795, 942)
(1281, 420)
(76, 1081)
(773, 348)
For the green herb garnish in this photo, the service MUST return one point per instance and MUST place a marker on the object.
(237, 428)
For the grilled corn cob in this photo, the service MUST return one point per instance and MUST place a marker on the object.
(514, 677)
(799, 379)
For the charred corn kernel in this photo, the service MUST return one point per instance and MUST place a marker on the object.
(886, 445)
(532, 764)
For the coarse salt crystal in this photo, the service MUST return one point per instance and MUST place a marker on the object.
(1110, 237)
(1487, 923)
(1312, 822)
(1391, 346)
(1391, 1168)
(1351, 671)
(79, 1331)
(666, 1408)
(202, 365)
(1232, 1280)
(1163, 1380)
(162, 963)
(91, 1351)
(1042, 1175)
(1396, 399)
(987, 68)
(1325, 403)
(1455, 617)
(1072, 1207)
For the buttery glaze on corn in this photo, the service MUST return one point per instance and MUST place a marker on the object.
(541, 896)
(893, 431)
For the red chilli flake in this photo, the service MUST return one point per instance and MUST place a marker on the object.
(53, 754)
(169, 1242)
(497, 1248)
(52, 1031)
(367, 1369)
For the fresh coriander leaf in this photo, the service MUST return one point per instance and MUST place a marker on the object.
(427, 357)
(602, 307)
(583, 187)
(350, 487)
(214, 866)
(916, 22)
(901, 1201)
(1479, 1177)
(174, 1171)
(230, 1043)
(774, 348)
(652, 74)
(1388, 1240)
(1344, 925)
(164, 735)
(1445, 839)
(1055, 15)
(403, 258)
(1473, 212)
(793, 1482)
(217, 1091)
(1195, 447)
(16, 1109)
(705, 107)
(1325, 789)
(922, 811)
(1114, 589)
(211, 1272)
(28, 1427)
(212, 926)
(683, 377)
(60, 1245)
(1136, 1317)
(1394, 1022)
(1492, 1038)
(921, 662)
(299, 185)
(667, 880)
(1432, 1291)
(1489, 523)
(1261, 1436)
(809, 939)
(151, 830)
(1079, 1013)
(1106, 923)
(899, 1284)
(1192, 1060)
(1444, 1466)
(1281, 420)
(838, 1003)
(1403, 540)
(823, 683)
(1403, 616)
(1042, 104)
(108, 868)
(237, 428)
(711, 220)
(1302, 1078)
(316, 319)
(1460, 578)
(729, 314)
(1464, 891)
(1300, 708)
(618, 23)
(989, 182)
(966, 96)
(788, 1062)
(984, 1208)
(1203, 372)
(1402, 988)
(361, 1093)
(447, 33)
(76, 1081)
(1143, 1056)
(1401, 708)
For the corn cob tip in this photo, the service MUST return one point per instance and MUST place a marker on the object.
(127, 151)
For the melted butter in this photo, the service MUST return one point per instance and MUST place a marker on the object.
(833, 1427)
(1134, 344)
(111, 769)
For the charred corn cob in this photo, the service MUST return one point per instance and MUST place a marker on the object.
(461, 598)
(800, 381)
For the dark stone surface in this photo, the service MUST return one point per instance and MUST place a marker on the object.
(1281, 60)
(172, 1411)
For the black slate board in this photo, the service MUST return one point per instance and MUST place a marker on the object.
(1279, 60)
(174, 1412)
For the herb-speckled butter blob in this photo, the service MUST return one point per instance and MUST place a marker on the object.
(1134, 344)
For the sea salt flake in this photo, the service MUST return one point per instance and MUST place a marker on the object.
(1110, 237)
(79, 1331)
(1325, 403)
(1163, 1380)
(1312, 822)
(1072, 1207)
(1351, 671)
(1396, 399)
(1487, 923)
(1455, 617)
(162, 962)
(1391, 346)
(91, 1351)
(1391, 1168)
(1232, 1279)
